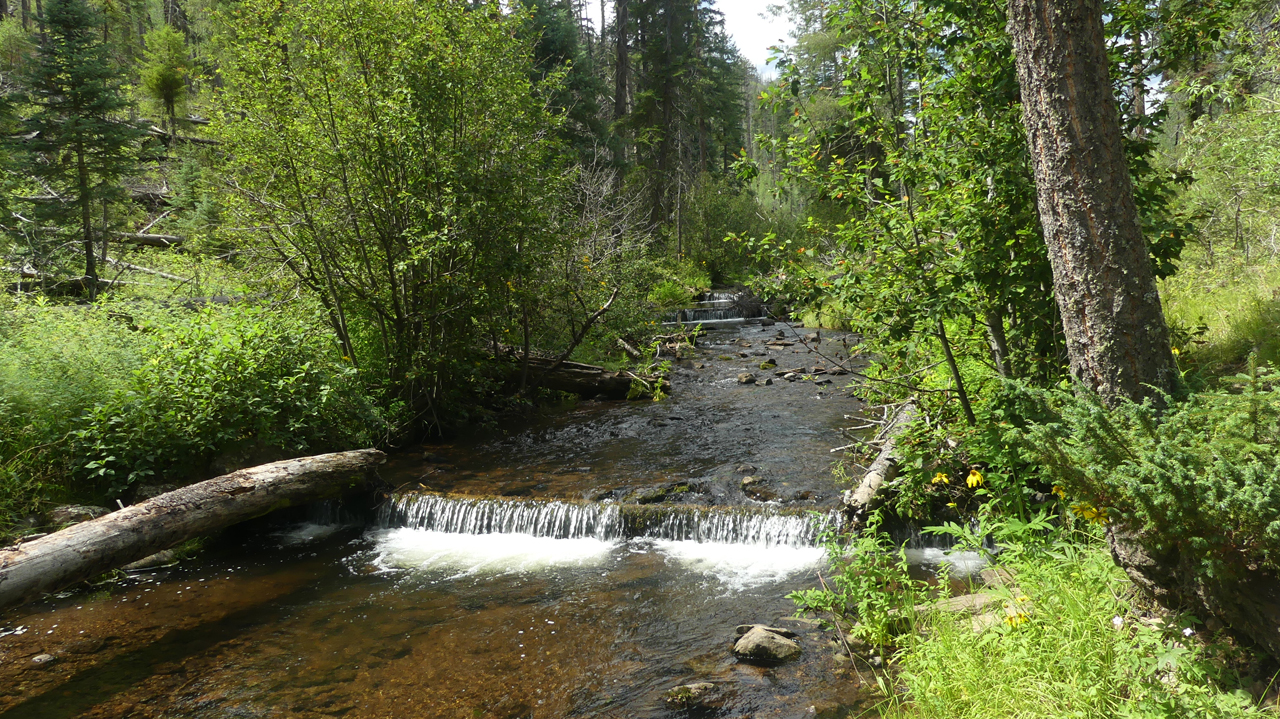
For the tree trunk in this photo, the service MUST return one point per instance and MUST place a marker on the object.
(1117, 340)
(86, 221)
(961, 392)
(998, 341)
(621, 77)
(86, 550)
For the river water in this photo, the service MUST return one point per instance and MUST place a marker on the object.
(543, 600)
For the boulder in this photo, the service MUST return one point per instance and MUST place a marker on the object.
(769, 363)
(702, 695)
(745, 469)
(746, 378)
(75, 514)
(761, 644)
(768, 382)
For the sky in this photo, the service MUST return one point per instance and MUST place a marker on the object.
(752, 33)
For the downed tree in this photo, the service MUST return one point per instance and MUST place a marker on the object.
(584, 380)
(139, 238)
(88, 549)
(858, 502)
(145, 270)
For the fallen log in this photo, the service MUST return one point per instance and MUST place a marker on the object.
(145, 270)
(584, 380)
(858, 502)
(138, 238)
(86, 550)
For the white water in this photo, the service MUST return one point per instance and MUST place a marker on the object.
(738, 548)
(741, 566)
(475, 554)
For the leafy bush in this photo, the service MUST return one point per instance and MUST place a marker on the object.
(95, 398)
(669, 294)
(217, 378)
(870, 587)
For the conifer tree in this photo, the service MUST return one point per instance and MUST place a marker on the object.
(80, 146)
(165, 72)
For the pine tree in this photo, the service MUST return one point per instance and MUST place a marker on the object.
(165, 72)
(80, 146)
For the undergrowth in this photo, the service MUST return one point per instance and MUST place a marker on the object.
(1085, 647)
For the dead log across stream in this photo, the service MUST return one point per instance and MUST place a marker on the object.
(585, 380)
(859, 502)
(88, 549)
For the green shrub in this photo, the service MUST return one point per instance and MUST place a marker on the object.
(94, 398)
(669, 294)
(215, 379)
(1200, 478)
(869, 587)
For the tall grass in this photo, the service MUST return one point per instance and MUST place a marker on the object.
(1223, 312)
(1084, 649)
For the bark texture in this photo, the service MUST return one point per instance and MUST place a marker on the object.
(1245, 597)
(85, 550)
(1116, 335)
(1103, 277)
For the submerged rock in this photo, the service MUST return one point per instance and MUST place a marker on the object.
(765, 645)
(702, 695)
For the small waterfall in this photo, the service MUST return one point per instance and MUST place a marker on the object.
(718, 307)
(738, 526)
(607, 522)
(462, 515)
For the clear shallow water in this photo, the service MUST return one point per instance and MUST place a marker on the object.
(322, 619)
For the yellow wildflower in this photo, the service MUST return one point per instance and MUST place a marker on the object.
(1060, 492)
(1089, 512)
(940, 478)
(1176, 352)
(1017, 619)
(974, 479)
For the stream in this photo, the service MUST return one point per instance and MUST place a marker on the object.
(504, 579)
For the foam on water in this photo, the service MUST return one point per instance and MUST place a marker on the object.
(497, 553)
(741, 566)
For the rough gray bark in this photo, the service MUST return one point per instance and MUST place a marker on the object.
(1116, 335)
(1103, 278)
(86, 550)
